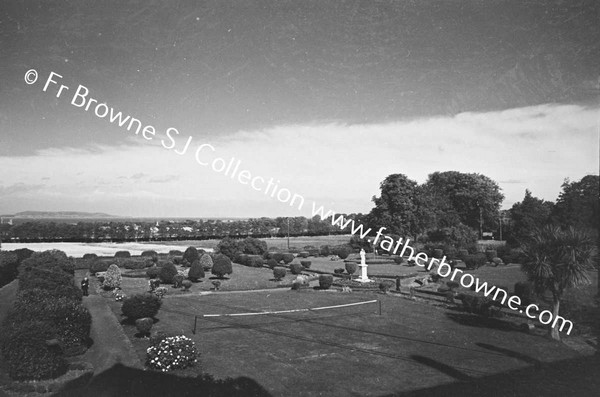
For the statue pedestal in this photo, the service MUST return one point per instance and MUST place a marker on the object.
(363, 274)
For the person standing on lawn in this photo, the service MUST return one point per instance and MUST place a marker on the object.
(85, 283)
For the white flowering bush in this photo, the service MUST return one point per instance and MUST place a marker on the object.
(171, 352)
(160, 292)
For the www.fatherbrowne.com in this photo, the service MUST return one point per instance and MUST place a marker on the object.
(82, 99)
(445, 270)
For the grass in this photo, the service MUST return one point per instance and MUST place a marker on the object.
(344, 352)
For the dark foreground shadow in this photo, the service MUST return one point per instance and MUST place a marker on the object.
(472, 320)
(573, 377)
(120, 380)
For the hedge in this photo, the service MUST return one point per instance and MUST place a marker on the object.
(296, 268)
(140, 306)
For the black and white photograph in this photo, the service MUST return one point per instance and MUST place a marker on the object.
(299, 198)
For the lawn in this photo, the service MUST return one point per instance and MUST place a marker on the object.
(345, 352)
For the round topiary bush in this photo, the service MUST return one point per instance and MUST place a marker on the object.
(398, 260)
(206, 262)
(324, 250)
(343, 252)
(222, 266)
(152, 272)
(122, 254)
(303, 254)
(497, 261)
(338, 270)
(255, 261)
(306, 264)
(491, 254)
(191, 254)
(278, 256)
(279, 273)
(296, 268)
(351, 267)
(325, 281)
(287, 258)
(175, 253)
(112, 279)
(186, 284)
(438, 253)
(196, 271)
(144, 325)
(272, 263)
(167, 273)
(140, 306)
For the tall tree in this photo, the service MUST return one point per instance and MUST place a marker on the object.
(558, 260)
(578, 203)
(474, 197)
(396, 208)
(528, 216)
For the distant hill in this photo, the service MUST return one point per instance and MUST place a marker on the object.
(59, 215)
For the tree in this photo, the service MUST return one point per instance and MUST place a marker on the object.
(528, 216)
(578, 203)
(395, 208)
(556, 260)
(196, 271)
(222, 266)
(475, 198)
(229, 247)
(191, 254)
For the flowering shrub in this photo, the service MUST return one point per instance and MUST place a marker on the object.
(173, 352)
(112, 279)
(160, 292)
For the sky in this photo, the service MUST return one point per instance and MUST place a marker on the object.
(326, 98)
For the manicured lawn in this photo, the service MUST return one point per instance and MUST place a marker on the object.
(344, 352)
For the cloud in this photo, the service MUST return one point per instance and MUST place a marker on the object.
(19, 189)
(335, 164)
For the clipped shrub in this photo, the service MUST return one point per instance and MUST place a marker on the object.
(173, 352)
(303, 254)
(177, 280)
(343, 252)
(133, 264)
(497, 261)
(296, 268)
(186, 284)
(175, 253)
(9, 263)
(271, 263)
(122, 254)
(279, 273)
(196, 270)
(438, 253)
(338, 270)
(398, 260)
(462, 254)
(351, 267)
(49, 260)
(475, 261)
(324, 250)
(313, 252)
(206, 262)
(221, 266)
(150, 254)
(112, 279)
(278, 256)
(255, 261)
(325, 281)
(190, 255)
(140, 306)
(479, 305)
(300, 282)
(144, 325)
(386, 285)
(153, 272)
(89, 257)
(287, 258)
(98, 266)
(230, 247)
(167, 273)
(452, 285)
(306, 264)
(26, 354)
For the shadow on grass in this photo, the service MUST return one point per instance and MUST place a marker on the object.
(573, 377)
(444, 368)
(120, 380)
(510, 353)
(472, 320)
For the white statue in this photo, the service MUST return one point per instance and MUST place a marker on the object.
(363, 268)
(362, 257)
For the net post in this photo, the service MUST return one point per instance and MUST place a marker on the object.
(379, 302)
(195, 322)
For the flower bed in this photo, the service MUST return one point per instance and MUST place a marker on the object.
(171, 352)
